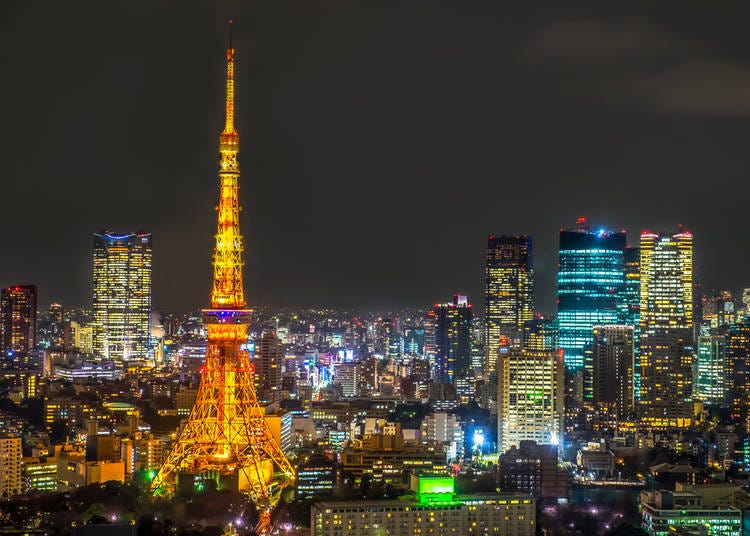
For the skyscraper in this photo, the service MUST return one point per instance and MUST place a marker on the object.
(630, 304)
(122, 295)
(710, 373)
(453, 339)
(666, 280)
(738, 363)
(530, 398)
(666, 327)
(613, 369)
(18, 312)
(509, 291)
(589, 287)
(267, 362)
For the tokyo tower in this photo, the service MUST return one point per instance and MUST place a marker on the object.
(226, 439)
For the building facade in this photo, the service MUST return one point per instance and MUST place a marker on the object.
(436, 510)
(453, 330)
(530, 399)
(18, 312)
(613, 367)
(509, 291)
(267, 361)
(10, 466)
(122, 295)
(589, 287)
(666, 320)
(711, 381)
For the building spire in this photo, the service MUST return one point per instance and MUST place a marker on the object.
(228, 254)
(229, 124)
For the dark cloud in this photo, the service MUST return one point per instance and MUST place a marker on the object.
(586, 40)
(710, 87)
(635, 62)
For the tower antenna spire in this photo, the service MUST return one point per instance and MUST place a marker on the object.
(227, 434)
(229, 104)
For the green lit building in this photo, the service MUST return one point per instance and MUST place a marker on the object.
(434, 508)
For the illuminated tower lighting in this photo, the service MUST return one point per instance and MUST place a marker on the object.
(227, 438)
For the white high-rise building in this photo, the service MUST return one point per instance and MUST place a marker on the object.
(444, 429)
(530, 400)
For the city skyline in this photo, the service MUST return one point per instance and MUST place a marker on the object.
(316, 145)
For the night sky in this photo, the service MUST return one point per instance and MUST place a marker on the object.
(380, 143)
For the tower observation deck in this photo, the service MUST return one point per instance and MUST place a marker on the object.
(226, 439)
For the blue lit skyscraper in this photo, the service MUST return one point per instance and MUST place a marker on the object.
(589, 287)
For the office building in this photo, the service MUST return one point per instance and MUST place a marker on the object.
(10, 466)
(453, 328)
(630, 304)
(666, 281)
(39, 473)
(540, 334)
(267, 361)
(666, 317)
(315, 477)
(56, 317)
(388, 458)
(711, 373)
(509, 291)
(684, 511)
(347, 376)
(18, 312)
(435, 509)
(613, 364)
(738, 363)
(589, 287)
(533, 469)
(530, 399)
(444, 429)
(122, 295)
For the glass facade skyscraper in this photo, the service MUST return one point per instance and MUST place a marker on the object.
(590, 282)
(710, 373)
(453, 323)
(666, 319)
(122, 295)
(631, 308)
(509, 291)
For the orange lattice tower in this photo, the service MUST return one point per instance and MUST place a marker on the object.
(226, 438)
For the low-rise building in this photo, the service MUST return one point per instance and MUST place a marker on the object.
(388, 458)
(668, 512)
(434, 509)
(315, 477)
(533, 469)
(39, 473)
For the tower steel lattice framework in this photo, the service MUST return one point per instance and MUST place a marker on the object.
(227, 432)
